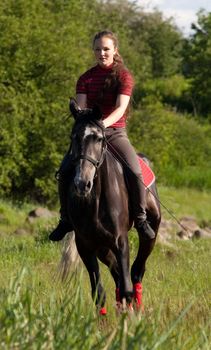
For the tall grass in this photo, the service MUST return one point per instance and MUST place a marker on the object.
(39, 312)
(66, 321)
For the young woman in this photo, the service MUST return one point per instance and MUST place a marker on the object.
(109, 84)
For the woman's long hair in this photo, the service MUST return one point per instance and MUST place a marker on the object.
(113, 79)
(118, 65)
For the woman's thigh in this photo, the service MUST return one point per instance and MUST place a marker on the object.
(120, 146)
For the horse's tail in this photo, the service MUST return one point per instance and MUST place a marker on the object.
(70, 257)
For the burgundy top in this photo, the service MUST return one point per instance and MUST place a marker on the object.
(91, 83)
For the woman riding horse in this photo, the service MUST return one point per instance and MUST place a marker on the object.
(109, 85)
(99, 208)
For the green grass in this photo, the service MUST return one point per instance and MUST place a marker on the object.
(188, 177)
(39, 312)
(186, 201)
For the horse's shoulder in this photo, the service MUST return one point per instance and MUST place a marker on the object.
(111, 159)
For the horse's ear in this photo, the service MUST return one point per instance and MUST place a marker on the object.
(74, 108)
(97, 112)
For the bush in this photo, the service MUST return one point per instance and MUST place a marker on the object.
(177, 145)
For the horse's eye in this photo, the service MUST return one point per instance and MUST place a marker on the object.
(95, 137)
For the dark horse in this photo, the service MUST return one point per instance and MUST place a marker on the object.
(99, 209)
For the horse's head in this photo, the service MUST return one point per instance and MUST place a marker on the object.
(88, 146)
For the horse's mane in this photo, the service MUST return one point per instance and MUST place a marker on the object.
(88, 117)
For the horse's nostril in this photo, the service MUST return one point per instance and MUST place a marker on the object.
(83, 187)
(89, 184)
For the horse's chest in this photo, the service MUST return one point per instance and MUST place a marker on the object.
(92, 223)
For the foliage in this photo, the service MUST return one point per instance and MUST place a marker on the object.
(168, 91)
(178, 146)
(163, 42)
(38, 73)
(197, 67)
(46, 45)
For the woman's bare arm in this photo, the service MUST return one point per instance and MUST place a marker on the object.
(121, 106)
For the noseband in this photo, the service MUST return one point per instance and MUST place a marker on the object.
(96, 163)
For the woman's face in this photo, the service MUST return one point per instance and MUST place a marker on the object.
(104, 51)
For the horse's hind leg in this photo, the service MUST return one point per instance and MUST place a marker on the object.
(138, 269)
(145, 248)
(90, 261)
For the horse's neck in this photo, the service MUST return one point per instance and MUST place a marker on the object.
(110, 168)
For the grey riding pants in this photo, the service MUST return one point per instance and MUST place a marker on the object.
(119, 144)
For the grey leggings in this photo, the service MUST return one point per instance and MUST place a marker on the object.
(120, 146)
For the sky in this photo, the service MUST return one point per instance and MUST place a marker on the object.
(183, 11)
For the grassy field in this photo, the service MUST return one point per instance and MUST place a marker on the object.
(39, 312)
(186, 202)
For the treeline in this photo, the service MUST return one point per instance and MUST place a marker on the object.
(46, 44)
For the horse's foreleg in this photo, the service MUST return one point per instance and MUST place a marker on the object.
(122, 256)
(98, 293)
(108, 258)
(92, 266)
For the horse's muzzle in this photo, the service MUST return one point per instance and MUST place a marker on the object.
(83, 188)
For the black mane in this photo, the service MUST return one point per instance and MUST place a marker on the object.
(87, 116)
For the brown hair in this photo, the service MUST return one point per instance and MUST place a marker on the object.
(112, 80)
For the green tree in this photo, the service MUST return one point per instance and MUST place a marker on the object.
(46, 45)
(178, 146)
(43, 50)
(157, 44)
(197, 64)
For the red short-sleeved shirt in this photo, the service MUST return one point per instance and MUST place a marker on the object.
(91, 83)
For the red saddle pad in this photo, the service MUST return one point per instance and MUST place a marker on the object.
(148, 175)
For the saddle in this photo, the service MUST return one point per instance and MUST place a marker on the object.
(147, 173)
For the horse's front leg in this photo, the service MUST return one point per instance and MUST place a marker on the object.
(90, 261)
(122, 256)
(108, 258)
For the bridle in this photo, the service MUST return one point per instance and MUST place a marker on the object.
(96, 162)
